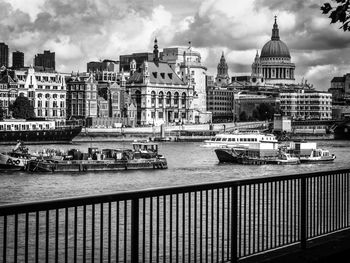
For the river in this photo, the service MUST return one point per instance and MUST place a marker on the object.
(188, 164)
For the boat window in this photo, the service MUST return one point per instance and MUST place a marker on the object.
(230, 139)
(218, 139)
(224, 139)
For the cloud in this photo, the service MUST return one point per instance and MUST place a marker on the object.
(83, 30)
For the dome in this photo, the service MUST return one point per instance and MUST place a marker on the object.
(275, 48)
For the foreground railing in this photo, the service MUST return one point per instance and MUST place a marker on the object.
(217, 222)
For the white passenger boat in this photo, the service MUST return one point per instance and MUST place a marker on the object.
(247, 139)
(318, 155)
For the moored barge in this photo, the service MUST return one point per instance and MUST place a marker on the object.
(142, 156)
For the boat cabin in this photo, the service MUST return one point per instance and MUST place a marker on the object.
(145, 147)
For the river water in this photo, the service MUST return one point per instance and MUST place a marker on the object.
(188, 164)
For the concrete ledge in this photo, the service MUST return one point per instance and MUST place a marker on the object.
(331, 248)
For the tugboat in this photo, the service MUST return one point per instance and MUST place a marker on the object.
(144, 155)
(318, 155)
(16, 159)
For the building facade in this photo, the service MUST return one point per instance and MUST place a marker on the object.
(159, 94)
(305, 105)
(106, 65)
(340, 89)
(139, 58)
(274, 65)
(17, 60)
(8, 90)
(186, 63)
(45, 91)
(81, 96)
(46, 61)
(4, 55)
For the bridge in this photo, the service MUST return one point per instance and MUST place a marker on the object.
(292, 218)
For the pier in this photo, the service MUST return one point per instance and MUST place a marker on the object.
(251, 220)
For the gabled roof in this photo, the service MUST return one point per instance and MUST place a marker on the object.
(338, 79)
(159, 73)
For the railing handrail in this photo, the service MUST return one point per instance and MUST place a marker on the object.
(27, 207)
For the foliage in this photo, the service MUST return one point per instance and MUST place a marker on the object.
(264, 112)
(2, 115)
(339, 13)
(21, 108)
(243, 116)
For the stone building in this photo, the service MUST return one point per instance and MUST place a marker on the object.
(159, 94)
(274, 65)
(45, 91)
(306, 104)
(81, 96)
(8, 90)
(45, 61)
(340, 89)
(187, 64)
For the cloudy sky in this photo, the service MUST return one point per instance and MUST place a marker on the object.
(84, 30)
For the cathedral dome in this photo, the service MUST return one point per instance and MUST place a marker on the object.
(275, 48)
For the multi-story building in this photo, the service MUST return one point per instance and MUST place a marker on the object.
(274, 65)
(125, 60)
(45, 91)
(307, 104)
(45, 61)
(246, 105)
(17, 60)
(4, 55)
(8, 90)
(340, 89)
(105, 65)
(81, 96)
(159, 94)
(220, 103)
(187, 65)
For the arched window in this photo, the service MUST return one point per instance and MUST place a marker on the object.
(176, 99)
(168, 98)
(160, 98)
(153, 98)
(183, 99)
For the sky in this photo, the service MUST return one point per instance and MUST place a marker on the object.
(80, 31)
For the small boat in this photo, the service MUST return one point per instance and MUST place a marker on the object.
(318, 155)
(285, 158)
(239, 139)
(144, 155)
(16, 159)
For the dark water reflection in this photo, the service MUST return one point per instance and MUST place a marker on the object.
(188, 164)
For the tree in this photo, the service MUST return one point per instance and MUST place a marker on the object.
(243, 116)
(339, 13)
(1, 113)
(266, 111)
(21, 108)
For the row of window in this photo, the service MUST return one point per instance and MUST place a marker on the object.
(55, 113)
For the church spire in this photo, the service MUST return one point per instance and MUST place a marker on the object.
(155, 51)
(275, 31)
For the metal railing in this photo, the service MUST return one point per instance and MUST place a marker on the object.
(215, 222)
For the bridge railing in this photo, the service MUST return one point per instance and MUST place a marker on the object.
(223, 221)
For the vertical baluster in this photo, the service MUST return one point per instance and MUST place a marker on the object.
(117, 232)
(164, 228)
(177, 228)
(26, 231)
(36, 237)
(206, 224)
(125, 230)
(84, 233)
(47, 236)
(183, 227)
(234, 228)
(189, 226)
(101, 232)
(201, 226)
(143, 229)
(229, 223)
(217, 224)
(151, 229)
(171, 229)
(157, 246)
(93, 233)
(135, 230)
(212, 225)
(66, 236)
(195, 228)
(109, 230)
(4, 248)
(57, 235)
(223, 224)
(75, 233)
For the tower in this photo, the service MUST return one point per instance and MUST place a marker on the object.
(156, 52)
(222, 77)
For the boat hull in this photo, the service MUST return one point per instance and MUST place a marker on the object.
(91, 165)
(317, 160)
(58, 135)
(8, 162)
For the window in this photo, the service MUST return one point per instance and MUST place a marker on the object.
(160, 115)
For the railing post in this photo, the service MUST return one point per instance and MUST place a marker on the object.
(234, 221)
(303, 212)
(135, 230)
